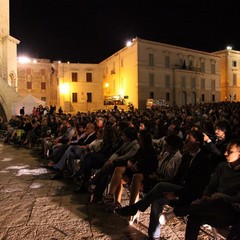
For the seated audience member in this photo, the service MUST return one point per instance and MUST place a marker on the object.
(74, 151)
(120, 157)
(168, 163)
(218, 146)
(220, 203)
(95, 159)
(61, 143)
(173, 129)
(50, 141)
(187, 185)
(33, 135)
(94, 146)
(144, 163)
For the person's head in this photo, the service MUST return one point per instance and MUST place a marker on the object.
(70, 123)
(108, 134)
(194, 141)
(174, 127)
(90, 128)
(145, 138)
(222, 129)
(144, 125)
(232, 153)
(100, 122)
(173, 143)
(129, 134)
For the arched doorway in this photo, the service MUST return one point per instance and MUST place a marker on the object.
(193, 98)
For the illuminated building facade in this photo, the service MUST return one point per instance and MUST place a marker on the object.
(230, 69)
(148, 69)
(38, 77)
(142, 70)
(79, 86)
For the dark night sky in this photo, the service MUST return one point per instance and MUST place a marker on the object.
(92, 30)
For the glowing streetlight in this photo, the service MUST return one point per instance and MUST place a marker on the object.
(24, 60)
(64, 88)
(129, 43)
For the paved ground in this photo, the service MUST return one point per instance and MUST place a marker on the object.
(35, 207)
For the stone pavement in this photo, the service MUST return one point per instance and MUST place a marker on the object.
(35, 207)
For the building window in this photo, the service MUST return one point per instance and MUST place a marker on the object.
(88, 77)
(213, 85)
(28, 71)
(190, 66)
(193, 83)
(44, 99)
(202, 97)
(234, 79)
(202, 83)
(167, 81)
(29, 85)
(213, 68)
(213, 98)
(234, 63)
(43, 85)
(151, 80)
(167, 61)
(43, 72)
(74, 76)
(183, 82)
(167, 96)
(151, 59)
(181, 62)
(74, 97)
(89, 97)
(151, 95)
(202, 67)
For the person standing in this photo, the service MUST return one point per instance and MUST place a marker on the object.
(22, 111)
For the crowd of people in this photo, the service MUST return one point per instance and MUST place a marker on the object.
(186, 157)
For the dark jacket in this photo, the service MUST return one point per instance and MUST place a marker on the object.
(193, 178)
(226, 181)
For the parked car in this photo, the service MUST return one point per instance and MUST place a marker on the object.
(155, 103)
